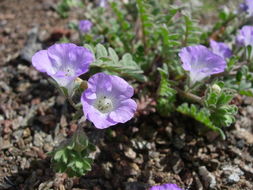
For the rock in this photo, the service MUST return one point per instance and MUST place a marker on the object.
(178, 143)
(242, 133)
(46, 185)
(233, 178)
(107, 169)
(134, 169)
(38, 140)
(48, 147)
(248, 170)
(232, 173)
(26, 132)
(5, 144)
(141, 144)
(176, 163)
(31, 45)
(198, 183)
(135, 186)
(16, 123)
(130, 153)
(207, 178)
(18, 134)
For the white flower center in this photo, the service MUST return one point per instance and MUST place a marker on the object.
(69, 72)
(104, 104)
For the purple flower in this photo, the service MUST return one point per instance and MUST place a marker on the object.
(166, 187)
(107, 100)
(201, 62)
(103, 3)
(63, 62)
(220, 49)
(245, 36)
(247, 6)
(85, 26)
(243, 7)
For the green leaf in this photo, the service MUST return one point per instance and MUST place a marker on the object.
(166, 95)
(202, 115)
(73, 161)
(113, 55)
(79, 164)
(58, 155)
(101, 51)
(86, 165)
(221, 112)
(248, 92)
(125, 67)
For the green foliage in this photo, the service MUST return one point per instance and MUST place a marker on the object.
(65, 5)
(225, 17)
(140, 36)
(191, 32)
(217, 101)
(108, 60)
(166, 95)
(242, 82)
(200, 114)
(146, 21)
(217, 111)
(126, 33)
(73, 157)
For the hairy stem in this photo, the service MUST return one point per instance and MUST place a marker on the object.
(189, 96)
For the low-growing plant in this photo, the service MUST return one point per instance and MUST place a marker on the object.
(143, 41)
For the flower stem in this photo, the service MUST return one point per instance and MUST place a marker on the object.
(189, 96)
(72, 103)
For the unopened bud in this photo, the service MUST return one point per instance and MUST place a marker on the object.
(81, 83)
(216, 88)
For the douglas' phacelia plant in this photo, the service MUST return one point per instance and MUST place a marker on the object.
(159, 47)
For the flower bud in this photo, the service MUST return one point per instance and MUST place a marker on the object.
(216, 88)
(83, 85)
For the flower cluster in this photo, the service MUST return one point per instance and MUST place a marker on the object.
(166, 187)
(107, 100)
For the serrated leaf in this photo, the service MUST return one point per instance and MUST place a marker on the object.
(166, 95)
(201, 115)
